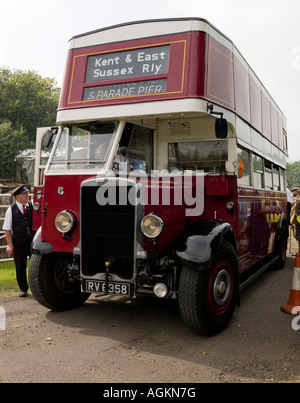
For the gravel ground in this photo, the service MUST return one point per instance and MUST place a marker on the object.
(112, 339)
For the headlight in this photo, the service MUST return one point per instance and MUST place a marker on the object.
(65, 221)
(229, 205)
(152, 226)
(36, 206)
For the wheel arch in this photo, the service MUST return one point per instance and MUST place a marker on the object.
(283, 228)
(39, 247)
(203, 243)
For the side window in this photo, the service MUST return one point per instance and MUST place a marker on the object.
(244, 157)
(282, 180)
(276, 182)
(268, 175)
(285, 142)
(207, 156)
(258, 171)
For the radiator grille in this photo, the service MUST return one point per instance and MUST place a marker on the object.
(107, 233)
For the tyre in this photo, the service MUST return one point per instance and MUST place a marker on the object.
(281, 252)
(50, 283)
(207, 297)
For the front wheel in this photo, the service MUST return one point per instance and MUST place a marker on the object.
(207, 297)
(51, 284)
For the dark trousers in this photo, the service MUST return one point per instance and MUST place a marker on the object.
(21, 264)
(20, 258)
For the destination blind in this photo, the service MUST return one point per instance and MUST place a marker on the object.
(150, 61)
(129, 64)
(125, 90)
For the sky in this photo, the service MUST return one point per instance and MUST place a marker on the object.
(34, 35)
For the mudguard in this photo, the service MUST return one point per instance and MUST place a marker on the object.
(39, 247)
(203, 242)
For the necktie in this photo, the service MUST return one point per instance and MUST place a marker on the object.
(24, 209)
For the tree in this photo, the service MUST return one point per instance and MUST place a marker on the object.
(11, 143)
(293, 174)
(27, 101)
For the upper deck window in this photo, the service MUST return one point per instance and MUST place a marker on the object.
(207, 156)
(84, 146)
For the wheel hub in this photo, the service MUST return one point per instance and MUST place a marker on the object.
(222, 286)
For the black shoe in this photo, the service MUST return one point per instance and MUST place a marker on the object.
(23, 294)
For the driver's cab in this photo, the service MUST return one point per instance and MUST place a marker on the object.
(168, 145)
(102, 146)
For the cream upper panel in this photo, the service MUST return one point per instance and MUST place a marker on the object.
(143, 29)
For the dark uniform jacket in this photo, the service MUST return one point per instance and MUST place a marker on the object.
(22, 228)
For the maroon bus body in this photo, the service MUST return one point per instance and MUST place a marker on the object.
(259, 210)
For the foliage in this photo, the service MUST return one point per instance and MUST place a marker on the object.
(11, 143)
(27, 101)
(293, 174)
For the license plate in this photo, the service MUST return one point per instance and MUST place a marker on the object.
(100, 287)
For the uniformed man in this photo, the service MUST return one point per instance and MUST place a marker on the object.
(295, 215)
(18, 231)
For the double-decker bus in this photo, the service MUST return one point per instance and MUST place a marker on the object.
(167, 173)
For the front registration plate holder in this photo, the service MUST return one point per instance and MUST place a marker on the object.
(95, 286)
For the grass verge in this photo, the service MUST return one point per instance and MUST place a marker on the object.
(8, 281)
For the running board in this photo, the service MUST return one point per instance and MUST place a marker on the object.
(258, 273)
